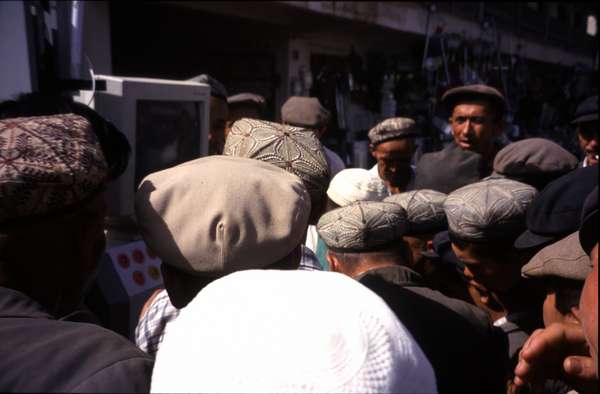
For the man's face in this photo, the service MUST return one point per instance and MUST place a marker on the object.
(497, 273)
(474, 126)
(417, 245)
(393, 161)
(219, 111)
(588, 307)
(587, 133)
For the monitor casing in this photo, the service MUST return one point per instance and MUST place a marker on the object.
(118, 103)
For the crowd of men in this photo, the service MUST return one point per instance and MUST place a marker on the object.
(475, 270)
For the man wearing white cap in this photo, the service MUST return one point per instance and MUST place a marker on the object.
(254, 331)
(204, 224)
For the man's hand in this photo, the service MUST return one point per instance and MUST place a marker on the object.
(557, 352)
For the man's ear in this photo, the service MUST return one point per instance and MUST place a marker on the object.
(334, 263)
(429, 245)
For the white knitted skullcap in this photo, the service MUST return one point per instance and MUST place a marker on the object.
(356, 184)
(282, 331)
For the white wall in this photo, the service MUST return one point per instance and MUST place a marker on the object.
(15, 75)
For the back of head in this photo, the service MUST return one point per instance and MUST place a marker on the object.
(424, 209)
(293, 149)
(113, 143)
(304, 112)
(488, 211)
(51, 165)
(535, 161)
(216, 215)
(247, 332)
(51, 184)
(356, 184)
(555, 211)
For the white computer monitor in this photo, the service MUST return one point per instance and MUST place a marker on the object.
(165, 122)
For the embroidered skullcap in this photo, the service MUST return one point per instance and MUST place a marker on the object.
(424, 209)
(216, 215)
(247, 333)
(217, 89)
(363, 226)
(48, 165)
(488, 210)
(356, 184)
(391, 129)
(564, 259)
(304, 112)
(291, 148)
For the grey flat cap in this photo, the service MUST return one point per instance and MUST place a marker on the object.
(564, 259)
(468, 92)
(217, 89)
(393, 128)
(535, 161)
(293, 149)
(488, 210)
(216, 215)
(363, 226)
(304, 112)
(424, 209)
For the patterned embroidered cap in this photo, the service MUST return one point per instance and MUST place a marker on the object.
(393, 128)
(424, 209)
(48, 163)
(304, 112)
(363, 226)
(488, 210)
(291, 148)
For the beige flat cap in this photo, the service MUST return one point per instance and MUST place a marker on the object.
(564, 259)
(218, 214)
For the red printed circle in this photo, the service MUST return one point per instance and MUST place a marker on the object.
(123, 260)
(138, 277)
(154, 272)
(138, 256)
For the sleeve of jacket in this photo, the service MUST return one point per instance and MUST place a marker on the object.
(125, 376)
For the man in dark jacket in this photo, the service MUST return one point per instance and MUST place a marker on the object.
(477, 120)
(52, 176)
(365, 242)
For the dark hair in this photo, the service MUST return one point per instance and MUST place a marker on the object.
(113, 143)
(398, 250)
(567, 291)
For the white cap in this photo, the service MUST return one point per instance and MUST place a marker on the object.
(356, 184)
(289, 331)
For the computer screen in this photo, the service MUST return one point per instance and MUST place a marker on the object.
(165, 135)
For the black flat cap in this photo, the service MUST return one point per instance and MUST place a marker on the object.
(555, 212)
(442, 251)
(588, 232)
(587, 110)
(468, 92)
(449, 169)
